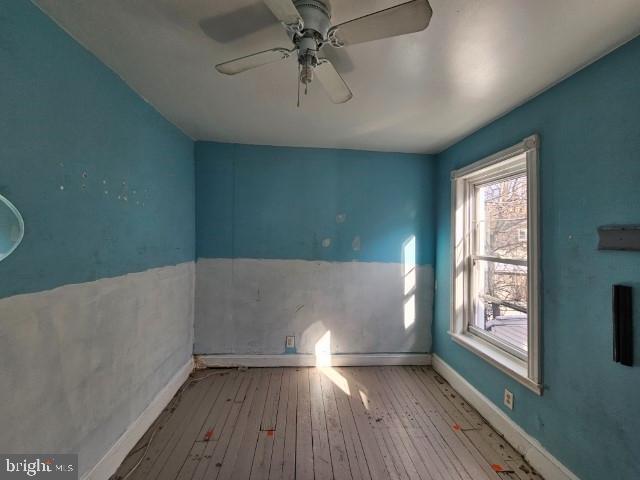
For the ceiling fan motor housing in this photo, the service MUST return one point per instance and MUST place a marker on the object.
(316, 15)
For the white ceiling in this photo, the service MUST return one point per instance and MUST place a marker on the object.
(418, 93)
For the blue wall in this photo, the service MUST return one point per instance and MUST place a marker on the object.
(280, 203)
(68, 121)
(589, 125)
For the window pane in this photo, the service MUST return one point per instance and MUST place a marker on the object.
(501, 302)
(501, 215)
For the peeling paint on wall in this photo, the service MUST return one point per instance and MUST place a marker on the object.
(96, 306)
(356, 244)
(280, 203)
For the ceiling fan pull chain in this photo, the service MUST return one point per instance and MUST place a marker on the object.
(308, 76)
(299, 68)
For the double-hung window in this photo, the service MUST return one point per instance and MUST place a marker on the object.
(495, 280)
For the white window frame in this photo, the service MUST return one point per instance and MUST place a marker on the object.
(520, 157)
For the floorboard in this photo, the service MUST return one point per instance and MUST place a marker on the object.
(347, 423)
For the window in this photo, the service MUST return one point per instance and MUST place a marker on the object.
(522, 234)
(495, 261)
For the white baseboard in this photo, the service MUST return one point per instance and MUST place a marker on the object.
(108, 464)
(546, 464)
(308, 360)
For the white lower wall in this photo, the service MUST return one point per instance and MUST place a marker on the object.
(248, 306)
(80, 363)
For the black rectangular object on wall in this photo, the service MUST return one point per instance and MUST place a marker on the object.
(619, 237)
(622, 325)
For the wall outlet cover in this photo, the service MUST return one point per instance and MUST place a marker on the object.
(290, 344)
(508, 399)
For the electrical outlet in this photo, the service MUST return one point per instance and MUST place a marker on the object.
(290, 342)
(508, 399)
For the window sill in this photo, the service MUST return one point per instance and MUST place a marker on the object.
(508, 364)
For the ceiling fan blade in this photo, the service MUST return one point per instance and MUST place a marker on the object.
(285, 11)
(332, 82)
(408, 17)
(239, 65)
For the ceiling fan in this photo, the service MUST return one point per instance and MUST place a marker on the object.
(308, 23)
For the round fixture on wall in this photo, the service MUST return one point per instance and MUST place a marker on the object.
(11, 228)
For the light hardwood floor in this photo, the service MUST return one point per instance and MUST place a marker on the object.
(322, 423)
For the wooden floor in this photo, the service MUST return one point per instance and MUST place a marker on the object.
(321, 423)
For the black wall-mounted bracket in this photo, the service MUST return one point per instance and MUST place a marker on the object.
(619, 237)
(622, 325)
